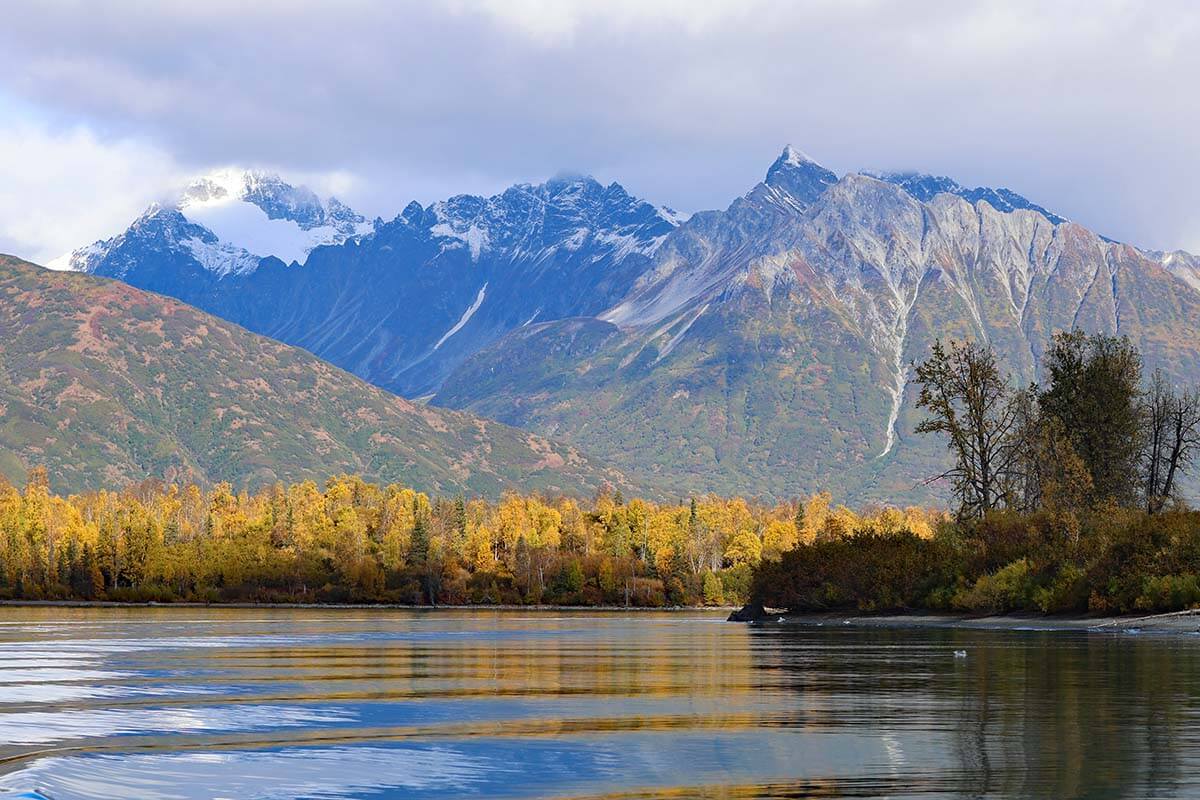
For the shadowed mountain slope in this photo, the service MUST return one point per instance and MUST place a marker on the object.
(105, 384)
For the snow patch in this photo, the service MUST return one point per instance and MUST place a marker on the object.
(221, 258)
(795, 157)
(1183, 266)
(474, 237)
(470, 312)
(245, 226)
(672, 216)
(624, 244)
(901, 378)
(79, 260)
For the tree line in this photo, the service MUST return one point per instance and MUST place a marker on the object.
(353, 541)
(1067, 494)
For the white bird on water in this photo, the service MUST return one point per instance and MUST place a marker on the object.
(960, 653)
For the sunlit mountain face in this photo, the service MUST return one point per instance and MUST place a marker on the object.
(762, 349)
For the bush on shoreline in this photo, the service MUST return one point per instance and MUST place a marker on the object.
(1111, 561)
(1067, 495)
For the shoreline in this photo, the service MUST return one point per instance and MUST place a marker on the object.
(608, 609)
(1187, 621)
(1168, 622)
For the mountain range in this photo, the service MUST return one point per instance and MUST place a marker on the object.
(106, 385)
(762, 349)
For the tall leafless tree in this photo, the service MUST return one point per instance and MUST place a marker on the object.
(970, 402)
(1172, 438)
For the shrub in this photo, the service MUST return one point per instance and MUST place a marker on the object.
(1068, 591)
(1169, 592)
(714, 593)
(1007, 589)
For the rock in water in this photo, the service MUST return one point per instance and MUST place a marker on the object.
(751, 612)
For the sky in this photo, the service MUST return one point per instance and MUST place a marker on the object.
(1091, 109)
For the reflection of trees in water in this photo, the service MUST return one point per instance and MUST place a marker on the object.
(1026, 714)
(1075, 715)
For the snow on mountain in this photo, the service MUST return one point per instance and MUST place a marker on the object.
(404, 303)
(465, 318)
(698, 257)
(243, 226)
(925, 187)
(564, 214)
(248, 215)
(1182, 265)
(769, 346)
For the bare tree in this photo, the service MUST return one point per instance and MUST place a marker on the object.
(1172, 438)
(969, 401)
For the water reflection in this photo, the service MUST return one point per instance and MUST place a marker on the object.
(171, 703)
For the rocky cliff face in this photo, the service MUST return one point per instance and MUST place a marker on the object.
(767, 348)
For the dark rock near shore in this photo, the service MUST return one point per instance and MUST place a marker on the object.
(751, 612)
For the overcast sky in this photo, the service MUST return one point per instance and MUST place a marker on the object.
(1091, 108)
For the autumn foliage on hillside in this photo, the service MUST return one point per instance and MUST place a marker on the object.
(353, 541)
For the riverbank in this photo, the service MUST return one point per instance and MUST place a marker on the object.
(1172, 622)
(351, 606)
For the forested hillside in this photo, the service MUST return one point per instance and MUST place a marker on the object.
(104, 385)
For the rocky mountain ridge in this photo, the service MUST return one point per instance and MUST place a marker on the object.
(768, 346)
(764, 348)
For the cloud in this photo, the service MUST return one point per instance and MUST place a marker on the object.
(1087, 107)
(65, 188)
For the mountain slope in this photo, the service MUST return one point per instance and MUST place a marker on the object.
(105, 384)
(776, 361)
(403, 304)
(761, 349)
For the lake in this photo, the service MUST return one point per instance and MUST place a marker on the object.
(297, 703)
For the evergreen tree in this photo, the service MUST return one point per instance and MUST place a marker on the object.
(460, 515)
(418, 549)
(1094, 390)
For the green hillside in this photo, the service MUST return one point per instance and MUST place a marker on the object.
(107, 385)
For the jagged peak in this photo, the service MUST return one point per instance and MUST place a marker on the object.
(152, 210)
(794, 156)
(925, 186)
(799, 176)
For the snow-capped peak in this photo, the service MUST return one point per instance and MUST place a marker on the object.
(218, 186)
(794, 180)
(795, 157)
(229, 220)
(566, 214)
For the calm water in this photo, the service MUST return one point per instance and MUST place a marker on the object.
(179, 703)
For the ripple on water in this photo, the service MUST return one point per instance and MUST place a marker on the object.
(311, 704)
